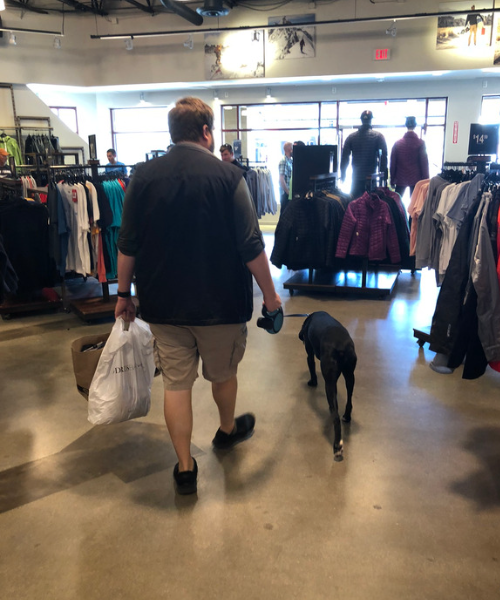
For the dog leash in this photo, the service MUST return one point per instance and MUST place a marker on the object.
(273, 321)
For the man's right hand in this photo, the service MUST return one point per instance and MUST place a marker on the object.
(125, 308)
(272, 303)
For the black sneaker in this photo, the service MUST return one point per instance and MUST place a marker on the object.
(186, 480)
(243, 430)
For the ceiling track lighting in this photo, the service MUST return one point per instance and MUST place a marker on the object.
(12, 39)
(354, 20)
(268, 93)
(37, 31)
(129, 43)
(57, 43)
(189, 42)
(216, 94)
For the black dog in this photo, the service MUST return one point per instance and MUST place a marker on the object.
(328, 340)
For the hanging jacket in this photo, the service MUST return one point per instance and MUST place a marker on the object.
(446, 321)
(368, 231)
(10, 144)
(307, 233)
(484, 278)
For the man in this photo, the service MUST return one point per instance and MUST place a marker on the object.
(472, 21)
(113, 164)
(4, 166)
(191, 235)
(285, 171)
(227, 155)
(367, 147)
(409, 162)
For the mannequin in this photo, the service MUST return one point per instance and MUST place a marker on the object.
(409, 162)
(366, 146)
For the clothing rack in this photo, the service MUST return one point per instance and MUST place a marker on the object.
(366, 280)
(460, 165)
(101, 306)
(44, 299)
(423, 334)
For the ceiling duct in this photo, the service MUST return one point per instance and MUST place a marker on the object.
(183, 11)
(213, 8)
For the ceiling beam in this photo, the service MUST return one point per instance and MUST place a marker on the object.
(26, 6)
(140, 6)
(78, 6)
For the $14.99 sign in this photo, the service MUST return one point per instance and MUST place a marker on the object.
(483, 139)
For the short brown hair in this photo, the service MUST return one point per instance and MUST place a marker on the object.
(187, 118)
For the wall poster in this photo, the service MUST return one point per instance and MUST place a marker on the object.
(469, 32)
(496, 59)
(291, 42)
(234, 54)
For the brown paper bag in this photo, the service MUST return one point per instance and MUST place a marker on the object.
(85, 363)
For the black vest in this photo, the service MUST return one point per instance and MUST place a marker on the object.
(188, 269)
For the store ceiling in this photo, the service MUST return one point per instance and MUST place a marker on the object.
(115, 8)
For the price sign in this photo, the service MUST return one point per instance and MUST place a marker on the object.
(483, 139)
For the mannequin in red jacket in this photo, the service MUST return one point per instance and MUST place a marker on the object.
(409, 162)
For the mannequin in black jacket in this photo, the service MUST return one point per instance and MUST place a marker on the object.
(369, 151)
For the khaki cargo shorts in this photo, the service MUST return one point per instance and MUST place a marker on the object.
(178, 351)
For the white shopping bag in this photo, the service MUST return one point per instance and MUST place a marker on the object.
(121, 386)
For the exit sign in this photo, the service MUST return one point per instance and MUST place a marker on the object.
(382, 54)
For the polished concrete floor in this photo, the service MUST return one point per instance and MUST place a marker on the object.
(412, 512)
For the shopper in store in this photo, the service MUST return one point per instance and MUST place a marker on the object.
(409, 161)
(227, 155)
(4, 166)
(369, 154)
(285, 171)
(191, 236)
(113, 164)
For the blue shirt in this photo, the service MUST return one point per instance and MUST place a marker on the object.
(118, 166)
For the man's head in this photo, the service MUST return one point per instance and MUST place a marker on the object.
(226, 153)
(111, 154)
(366, 117)
(411, 123)
(4, 156)
(288, 149)
(473, 7)
(191, 120)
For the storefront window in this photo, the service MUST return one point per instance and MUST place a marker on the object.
(279, 116)
(68, 115)
(137, 131)
(264, 128)
(490, 112)
(329, 112)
